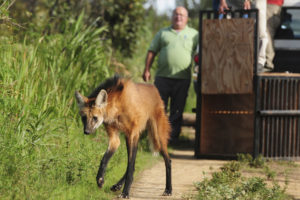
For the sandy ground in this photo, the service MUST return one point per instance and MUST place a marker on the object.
(186, 170)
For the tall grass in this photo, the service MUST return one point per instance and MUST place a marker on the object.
(43, 153)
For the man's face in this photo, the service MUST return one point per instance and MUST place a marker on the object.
(179, 18)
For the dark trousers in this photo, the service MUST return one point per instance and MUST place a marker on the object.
(176, 90)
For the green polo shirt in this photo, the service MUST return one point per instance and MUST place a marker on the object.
(176, 51)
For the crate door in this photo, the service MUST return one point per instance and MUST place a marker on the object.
(227, 56)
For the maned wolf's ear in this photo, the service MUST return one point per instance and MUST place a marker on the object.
(101, 99)
(80, 99)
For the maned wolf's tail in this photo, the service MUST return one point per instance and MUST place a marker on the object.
(159, 130)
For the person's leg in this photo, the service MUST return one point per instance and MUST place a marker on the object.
(178, 100)
(164, 89)
(216, 4)
(273, 22)
(261, 5)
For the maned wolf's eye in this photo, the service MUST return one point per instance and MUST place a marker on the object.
(95, 118)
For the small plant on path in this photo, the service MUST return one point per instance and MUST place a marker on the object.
(229, 183)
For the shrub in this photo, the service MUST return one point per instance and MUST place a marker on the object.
(230, 184)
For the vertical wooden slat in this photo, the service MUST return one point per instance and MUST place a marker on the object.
(209, 15)
(290, 119)
(257, 118)
(263, 132)
(241, 14)
(281, 147)
(273, 125)
(288, 134)
(269, 130)
(293, 121)
(199, 93)
(285, 106)
(298, 120)
(277, 121)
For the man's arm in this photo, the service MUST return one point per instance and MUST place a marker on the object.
(149, 60)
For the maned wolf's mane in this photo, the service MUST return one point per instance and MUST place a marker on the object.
(110, 85)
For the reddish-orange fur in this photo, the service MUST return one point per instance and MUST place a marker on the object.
(130, 108)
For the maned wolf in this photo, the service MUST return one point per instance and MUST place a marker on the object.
(122, 105)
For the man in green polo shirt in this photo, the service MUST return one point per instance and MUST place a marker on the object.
(175, 46)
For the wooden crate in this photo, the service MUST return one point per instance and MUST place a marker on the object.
(226, 100)
(239, 110)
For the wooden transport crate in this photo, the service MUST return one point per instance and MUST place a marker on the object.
(239, 110)
(225, 101)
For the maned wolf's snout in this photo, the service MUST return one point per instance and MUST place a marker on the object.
(91, 125)
(88, 130)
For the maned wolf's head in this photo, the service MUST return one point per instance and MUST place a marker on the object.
(91, 110)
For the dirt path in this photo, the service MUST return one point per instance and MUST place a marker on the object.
(186, 170)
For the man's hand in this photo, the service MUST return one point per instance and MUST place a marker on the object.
(149, 60)
(146, 75)
(247, 5)
(223, 6)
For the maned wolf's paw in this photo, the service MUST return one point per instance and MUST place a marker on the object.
(124, 196)
(100, 182)
(167, 192)
(116, 187)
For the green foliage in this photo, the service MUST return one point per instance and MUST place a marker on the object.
(230, 184)
(7, 24)
(50, 17)
(47, 16)
(244, 158)
(258, 162)
(56, 49)
(43, 153)
(124, 27)
(4, 14)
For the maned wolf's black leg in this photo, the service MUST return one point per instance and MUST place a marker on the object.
(119, 184)
(132, 150)
(100, 176)
(168, 190)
